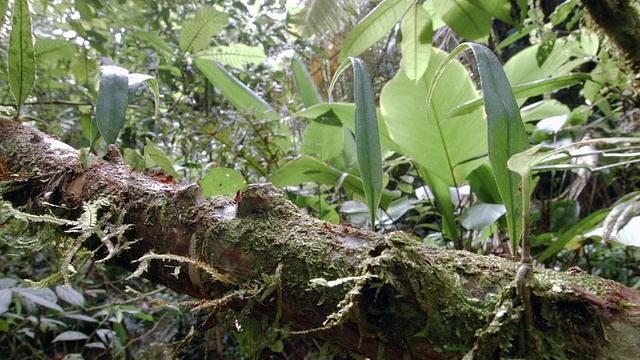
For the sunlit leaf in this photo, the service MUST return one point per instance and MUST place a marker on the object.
(155, 40)
(22, 59)
(154, 156)
(221, 181)
(417, 32)
(135, 80)
(465, 18)
(113, 99)
(196, 34)
(235, 91)
(481, 215)
(373, 27)
(235, 55)
(319, 17)
(304, 83)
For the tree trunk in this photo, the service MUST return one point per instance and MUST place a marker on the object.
(384, 296)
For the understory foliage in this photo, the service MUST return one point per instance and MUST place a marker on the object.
(237, 92)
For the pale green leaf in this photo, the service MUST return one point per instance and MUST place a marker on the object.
(6, 296)
(524, 91)
(304, 83)
(221, 181)
(43, 297)
(113, 99)
(465, 18)
(499, 9)
(49, 51)
(70, 295)
(22, 59)
(322, 141)
(70, 336)
(156, 41)
(481, 215)
(417, 32)
(235, 55)
(373, 27)
(345, 112)
(155, 156)
(507, 135)
(319, 17)
(135, 80)
(235, 91)
(196, 34)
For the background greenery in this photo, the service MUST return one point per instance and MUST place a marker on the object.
(243, 97)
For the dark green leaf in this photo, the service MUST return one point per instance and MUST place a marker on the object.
(366, 131)
(22, 58)
(113, 99)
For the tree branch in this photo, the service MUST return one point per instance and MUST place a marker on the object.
(377, 295)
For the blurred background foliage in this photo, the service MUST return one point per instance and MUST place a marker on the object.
(573, 86)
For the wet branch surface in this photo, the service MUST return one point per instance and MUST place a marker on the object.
(394, 298)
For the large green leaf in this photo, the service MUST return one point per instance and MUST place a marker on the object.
(221, 181)
(465, 18)
(156, 41)
(234, 55)
(304, 83)
(113, 99)
(319, 17)
(307, 169)
(524, 91)
(373, 27)
(322, 141)
(49, 51)
(22, 58)
(366, 133)
(196, 34)
(501, 9)
(135, 80)
(441, 148)
(235, 91)
(154, 156)
(417, 31)
(345, 112)
(507, 135)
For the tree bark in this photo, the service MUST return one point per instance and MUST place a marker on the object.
(379, 295)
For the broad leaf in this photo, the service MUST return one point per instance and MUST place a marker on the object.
(6, 296)
(465, 18)
(481, 215)
(507, 135)
(235, 55)
(235, 91)
(43, 297)
(221, 181)
(155, 40)
(304, 83)
(135, 80)
(319, 17)
(345, 113)
(154, 156)
(70, 336)
(524, 91)
(113, 99)
(441, 148)
(22, 58)
(417, 31)
(366, 133)
(373, 27)
(70, 295)
(196, 34)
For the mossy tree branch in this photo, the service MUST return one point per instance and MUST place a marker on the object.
(377, 295)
